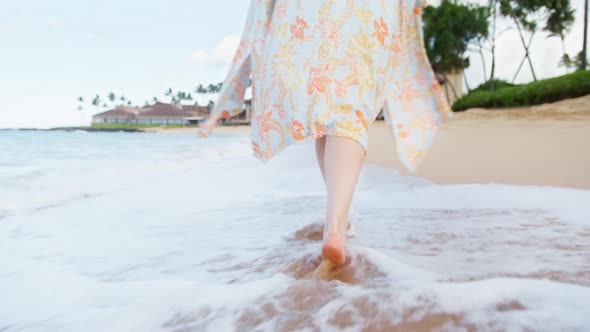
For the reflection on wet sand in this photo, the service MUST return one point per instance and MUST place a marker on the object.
(363, 296)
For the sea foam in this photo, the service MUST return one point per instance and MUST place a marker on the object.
(225, 242)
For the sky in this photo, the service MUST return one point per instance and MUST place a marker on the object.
(52, 52)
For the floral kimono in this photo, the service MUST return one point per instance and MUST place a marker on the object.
(328, 67)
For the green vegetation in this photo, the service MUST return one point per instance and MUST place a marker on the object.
(534, 93)
(453, 29)
(448, 31)
(493, 85)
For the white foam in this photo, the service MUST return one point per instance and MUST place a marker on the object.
(206, 245)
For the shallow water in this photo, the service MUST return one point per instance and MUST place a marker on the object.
(204, 237)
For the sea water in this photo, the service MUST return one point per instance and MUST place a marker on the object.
(167, 232)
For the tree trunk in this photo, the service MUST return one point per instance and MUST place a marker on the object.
(518, 70)
(466, 82)
(584, 47)
(526, 48)
(483, 62)
(493, 69)
(447, 81)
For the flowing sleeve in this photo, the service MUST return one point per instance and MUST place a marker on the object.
(417, 105)
(231, 96)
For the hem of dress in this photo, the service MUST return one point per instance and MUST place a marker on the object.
(265, 159)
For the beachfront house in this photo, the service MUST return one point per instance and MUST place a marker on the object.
(121, 114)
(454, 86)
(162, 114)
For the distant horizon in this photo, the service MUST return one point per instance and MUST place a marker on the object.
(65, 50)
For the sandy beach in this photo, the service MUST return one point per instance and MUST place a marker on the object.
(544, 145)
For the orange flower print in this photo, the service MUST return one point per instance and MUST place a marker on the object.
(297, 128)
(263, 124)
(420, 79)
(408, 93)
(435, 84)
(225, 115)
(381, 31)
(319, 129)
(341, 87)
(417, 10)
(281, 110)
(298, 29)
(318, 79)
(257, 151)
(331, 31)
(362, 120)
(402, 132)
(397, 40)
(241, 52)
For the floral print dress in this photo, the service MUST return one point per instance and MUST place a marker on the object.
(328, 67)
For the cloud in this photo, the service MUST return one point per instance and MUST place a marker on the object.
(222, 53)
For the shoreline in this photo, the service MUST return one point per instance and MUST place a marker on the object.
(193, 130)
(542, 145)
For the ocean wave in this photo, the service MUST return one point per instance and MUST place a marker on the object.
(226, 243)
(34, 176)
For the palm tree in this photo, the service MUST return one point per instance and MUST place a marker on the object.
(169, 93)
(200, 90)
(96, 102)
(81, 101)
(180, 96)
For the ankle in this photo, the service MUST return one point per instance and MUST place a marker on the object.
(339, 227)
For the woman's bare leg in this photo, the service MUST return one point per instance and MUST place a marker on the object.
(320, 148)
(343, 160)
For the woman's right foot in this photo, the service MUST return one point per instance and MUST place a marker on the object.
(334, 245)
